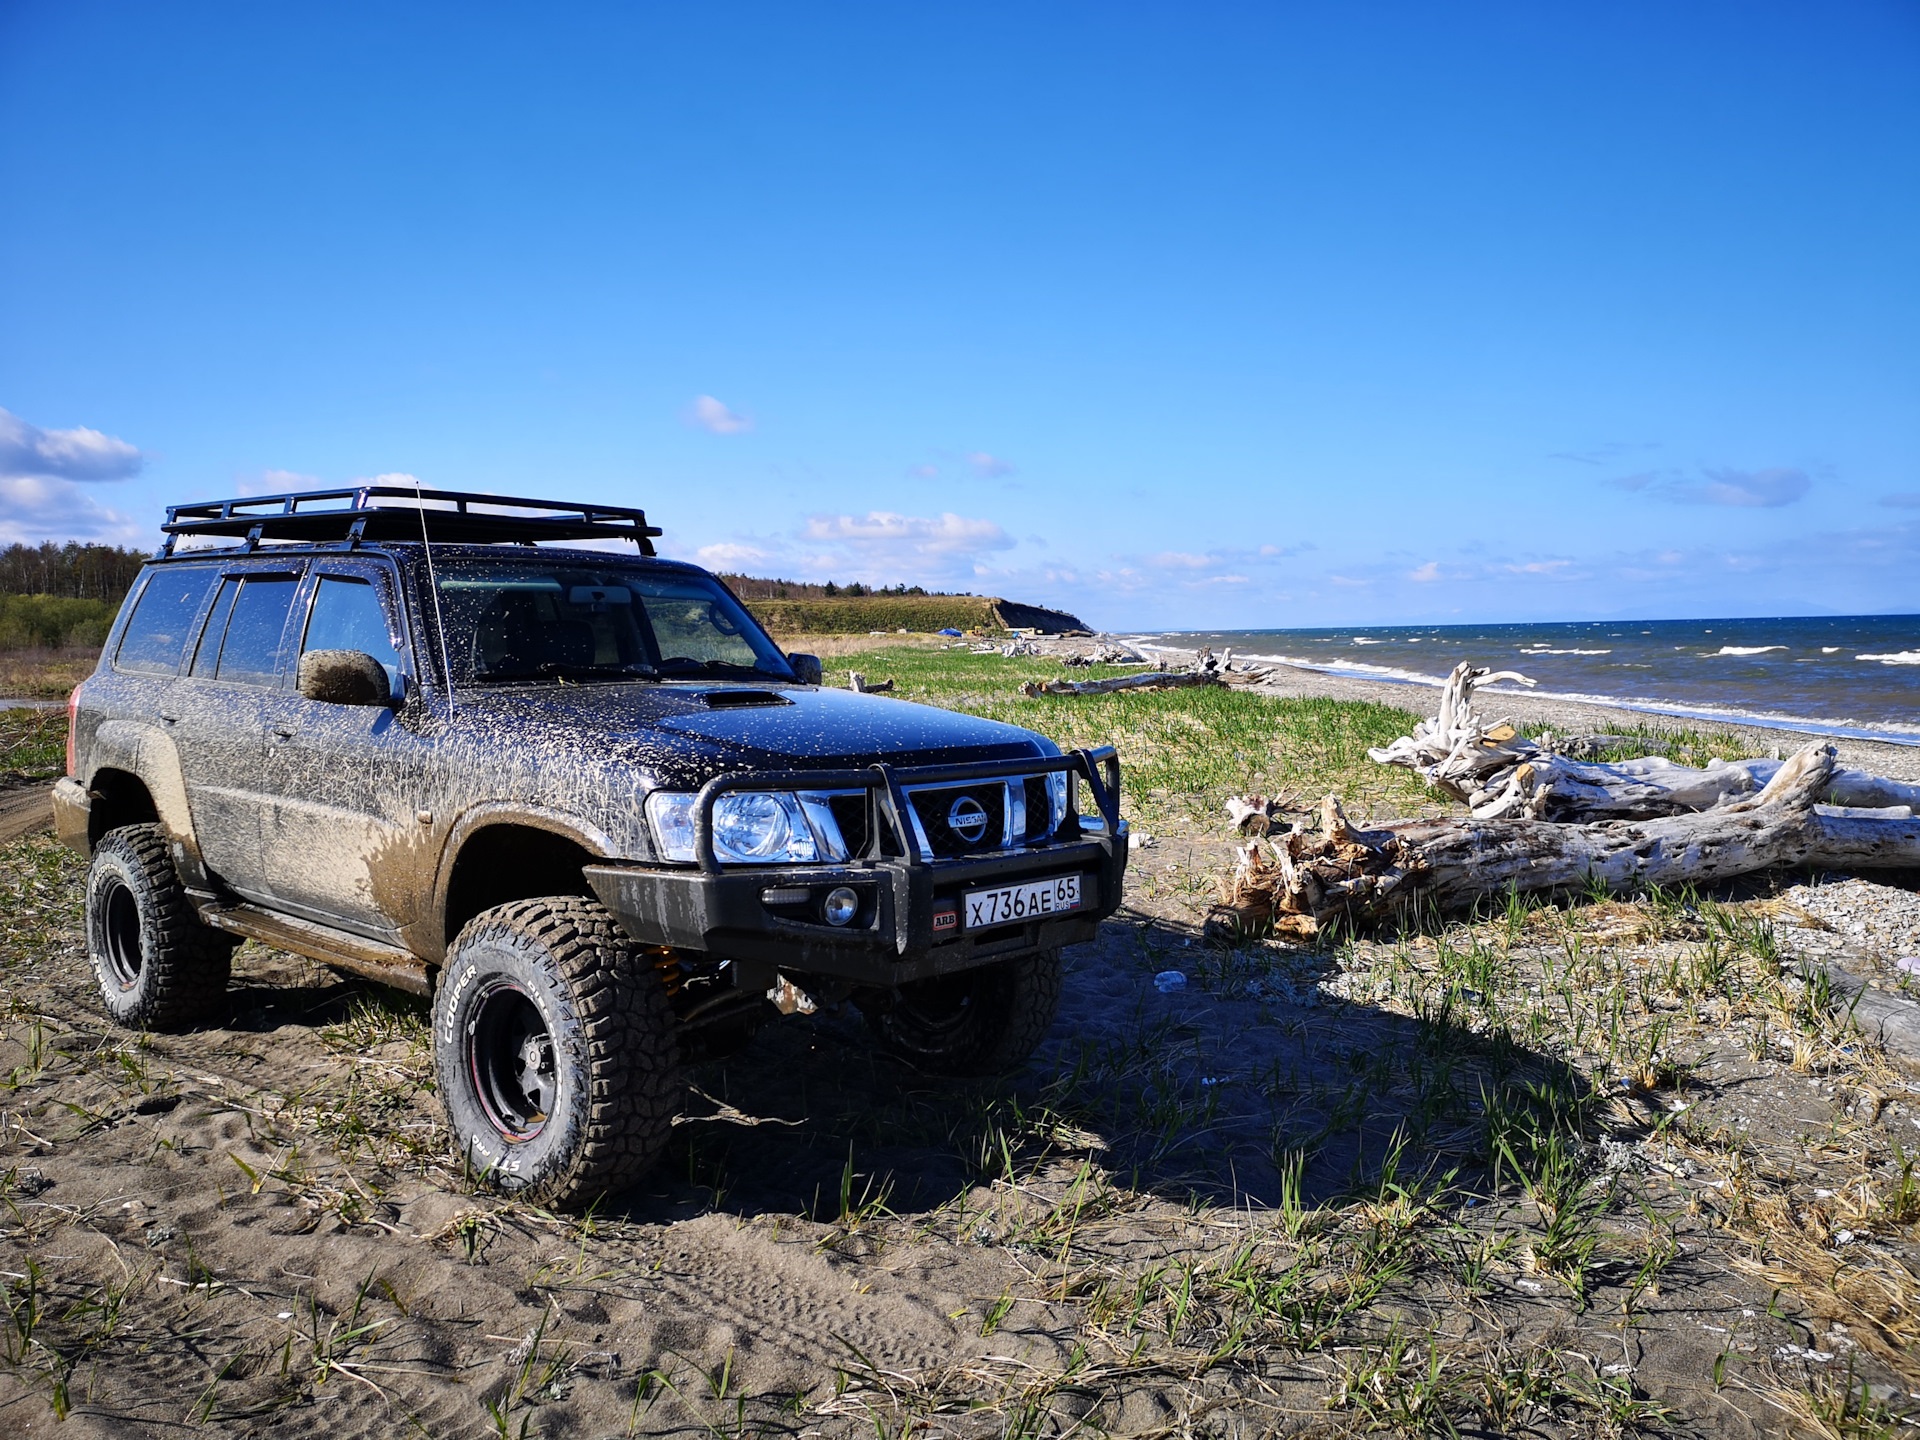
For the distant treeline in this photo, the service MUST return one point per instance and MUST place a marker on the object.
(72, 571)
(750, 587)
(859, 615)
(54, 622)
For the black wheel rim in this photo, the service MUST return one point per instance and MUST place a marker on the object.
(120, 933)
(510, 1057)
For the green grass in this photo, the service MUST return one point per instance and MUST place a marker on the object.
(1182, 751)
(1682, 746)
(858, 615)
(33, 743)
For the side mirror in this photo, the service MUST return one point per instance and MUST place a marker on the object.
(807, 668)
(343, 677)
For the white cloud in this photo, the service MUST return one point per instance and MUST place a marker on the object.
(727, 554)
(1181, 560)
(882, 532)
(1764, 489)
(1743, 489)
(707, 413)
(988, 467)
(33, 509)
(1540, 567)
(923, 472)
(1344, 580)
(29, 453)
(1428, 571)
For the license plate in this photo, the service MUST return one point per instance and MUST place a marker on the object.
(1011, 903)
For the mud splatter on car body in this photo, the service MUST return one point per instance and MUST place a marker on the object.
(355, 747)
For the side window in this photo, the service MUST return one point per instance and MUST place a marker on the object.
(250, 651)
(156, 632)
(206, 654)
(347, 615)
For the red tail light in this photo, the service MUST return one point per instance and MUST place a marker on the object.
(73, 707)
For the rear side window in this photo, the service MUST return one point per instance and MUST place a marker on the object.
(207, 654)
(162, 618)
(250, 650)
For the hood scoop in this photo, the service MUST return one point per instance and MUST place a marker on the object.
(741, 699)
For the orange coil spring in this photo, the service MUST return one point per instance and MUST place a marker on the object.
(667, 965)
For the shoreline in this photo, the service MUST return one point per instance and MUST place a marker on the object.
(1893, 757)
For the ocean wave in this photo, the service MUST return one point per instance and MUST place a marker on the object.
(1566, 652)
(1744, 650)
(1890, 731)
(1899, 657)
(1363, 640)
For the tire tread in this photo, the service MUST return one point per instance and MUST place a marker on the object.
(187, 968)
(634, 1088)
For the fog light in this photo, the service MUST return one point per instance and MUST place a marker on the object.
(841, 906)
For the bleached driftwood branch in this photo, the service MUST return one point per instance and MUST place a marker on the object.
(1152, 680)
(1302, 882)
(1499, 773)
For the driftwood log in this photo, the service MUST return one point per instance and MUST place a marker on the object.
(1152, 680)
(1499, 773)
(1303, 882)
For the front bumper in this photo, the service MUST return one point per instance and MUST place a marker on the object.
(723, 910)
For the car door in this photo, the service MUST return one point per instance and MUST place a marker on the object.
(220, 705)
(342, 839)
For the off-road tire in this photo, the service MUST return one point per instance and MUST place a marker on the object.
(615, 1069)
(158, 967)
(978, 1022)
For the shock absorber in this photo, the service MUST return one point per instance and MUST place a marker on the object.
(667, 966)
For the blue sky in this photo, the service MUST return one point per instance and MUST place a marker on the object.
(1179, 315)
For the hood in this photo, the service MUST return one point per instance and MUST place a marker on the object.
(675, 733)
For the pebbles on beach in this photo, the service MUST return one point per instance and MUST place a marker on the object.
(1870, 925)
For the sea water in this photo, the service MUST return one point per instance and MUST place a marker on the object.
(1843, 675)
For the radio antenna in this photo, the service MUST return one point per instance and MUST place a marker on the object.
(439, 620)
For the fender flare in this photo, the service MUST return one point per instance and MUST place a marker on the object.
(426, 937)
(148, 753)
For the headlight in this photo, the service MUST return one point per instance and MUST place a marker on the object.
(749, 827)
(1057, 797)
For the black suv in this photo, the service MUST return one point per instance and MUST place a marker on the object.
(577, 796)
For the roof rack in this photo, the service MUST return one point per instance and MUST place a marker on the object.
(357, 514)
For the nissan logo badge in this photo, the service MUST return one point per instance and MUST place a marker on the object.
(967, 818)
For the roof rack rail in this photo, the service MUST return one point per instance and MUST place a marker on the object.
(357, 514)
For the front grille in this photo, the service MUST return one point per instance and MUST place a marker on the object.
(940, 810)
(850, 814)
(1039, 808)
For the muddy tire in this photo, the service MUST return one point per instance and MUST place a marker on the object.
(556, 1052)
(978, 1022)
(158, 967)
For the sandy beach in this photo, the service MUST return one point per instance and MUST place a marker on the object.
(1234, 1180)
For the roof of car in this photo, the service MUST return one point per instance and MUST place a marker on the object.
(375, 513)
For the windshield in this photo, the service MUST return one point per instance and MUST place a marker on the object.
(528, 621)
